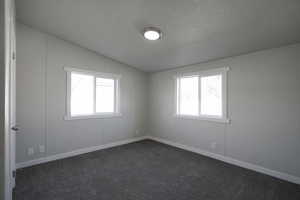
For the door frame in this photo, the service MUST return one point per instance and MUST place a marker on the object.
(12, 90)
(9, 19)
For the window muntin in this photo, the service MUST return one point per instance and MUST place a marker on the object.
(91, 94)
(202, 95)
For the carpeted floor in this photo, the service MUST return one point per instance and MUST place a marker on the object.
(147, 170)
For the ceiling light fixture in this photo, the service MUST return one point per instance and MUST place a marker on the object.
(152, 33)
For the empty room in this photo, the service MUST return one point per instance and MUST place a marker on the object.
(150, 100)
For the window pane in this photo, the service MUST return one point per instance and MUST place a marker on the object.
(82, 94)
(105, 95)
(211, 95)
(188, 96)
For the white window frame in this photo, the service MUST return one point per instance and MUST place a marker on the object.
(219, 71)
(95, 74)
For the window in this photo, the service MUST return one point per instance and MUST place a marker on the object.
(202, 95)
(188, 96)
(91, 94)
(105, 95)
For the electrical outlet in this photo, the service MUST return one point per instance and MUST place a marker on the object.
(30, 151)
(137, 132)
(42, 148)
(213, 145)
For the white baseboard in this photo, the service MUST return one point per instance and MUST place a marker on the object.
(277, 174)
(270, 172)
(77, 152)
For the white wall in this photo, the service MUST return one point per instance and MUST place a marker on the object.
(41, 97)
(2, 98)
(263, 105)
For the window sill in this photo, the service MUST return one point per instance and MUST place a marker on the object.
(219, 120)
(99, 116)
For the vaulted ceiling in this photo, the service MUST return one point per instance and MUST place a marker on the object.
(193, 30)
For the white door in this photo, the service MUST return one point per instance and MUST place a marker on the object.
(13, 125)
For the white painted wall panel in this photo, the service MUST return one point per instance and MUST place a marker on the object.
(263, 105)
(41, 97)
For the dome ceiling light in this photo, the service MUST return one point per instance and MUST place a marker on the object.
(152, 33)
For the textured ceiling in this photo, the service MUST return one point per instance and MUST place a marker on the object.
(194, 30)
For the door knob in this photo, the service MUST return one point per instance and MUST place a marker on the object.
(15, 128)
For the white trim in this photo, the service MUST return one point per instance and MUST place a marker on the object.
(219, 71)
(257, 168)
(96, 116)
(199, 95)
(176, 97)
(115, 77)
(203, 118)
(94, 95)
(9, 20)
(203, 72)
(68, 94)
(95, 73)
(77, 152)
(117, 97)
(224, 94)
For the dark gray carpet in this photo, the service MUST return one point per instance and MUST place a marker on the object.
(147, 170)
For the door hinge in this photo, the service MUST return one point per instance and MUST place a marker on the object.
(13, 55)
(14, 173)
